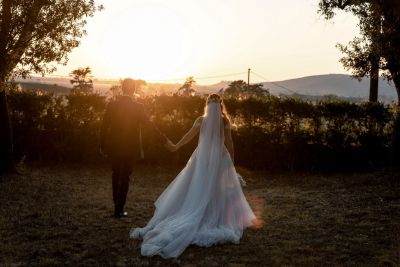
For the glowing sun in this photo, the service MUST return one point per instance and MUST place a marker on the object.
(149, 44)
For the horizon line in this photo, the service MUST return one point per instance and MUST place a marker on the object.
(174, 81)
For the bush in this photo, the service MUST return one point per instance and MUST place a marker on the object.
(270, 132)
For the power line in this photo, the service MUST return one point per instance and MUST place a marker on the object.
(274, 83)
(220, 76)
(159, 80)
(202, 78)
(199, 78)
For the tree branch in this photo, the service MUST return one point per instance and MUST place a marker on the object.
(342, 4)
(26, 33)
(5, 24)
(4, 36)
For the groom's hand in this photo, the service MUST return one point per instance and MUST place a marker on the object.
(101, 151)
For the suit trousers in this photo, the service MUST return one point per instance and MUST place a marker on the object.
(122, 168)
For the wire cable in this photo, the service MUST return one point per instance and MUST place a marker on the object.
(158, 80)
(274, 83)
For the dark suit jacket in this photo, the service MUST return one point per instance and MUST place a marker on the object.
(120, 129)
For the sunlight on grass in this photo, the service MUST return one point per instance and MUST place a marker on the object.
(257, 203)
(64, 218)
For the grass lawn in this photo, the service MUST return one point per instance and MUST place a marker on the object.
(60, 215)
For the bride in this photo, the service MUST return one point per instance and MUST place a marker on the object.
(204, 205)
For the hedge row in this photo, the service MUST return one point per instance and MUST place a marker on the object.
(270, 132)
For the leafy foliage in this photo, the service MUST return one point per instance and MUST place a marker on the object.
(81, 81)
(35, 33)
(187, 88)
(240, 89)
(270, 132)
(379, 43)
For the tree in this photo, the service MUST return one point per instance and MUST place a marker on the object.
(33, 35)
(240, 89)
(187, 88)
(375, 16)
(235, 89)
(362, 55)
(379, 43)
(81, 80)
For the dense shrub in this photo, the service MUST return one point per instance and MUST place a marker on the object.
(270, 132)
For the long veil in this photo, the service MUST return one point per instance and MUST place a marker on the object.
(204, 204)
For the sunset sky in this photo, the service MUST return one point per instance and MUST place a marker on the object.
(166, 40)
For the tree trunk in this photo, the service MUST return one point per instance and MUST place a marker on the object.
(6, 140)
(396, 80)
(395, 153)
(374, 81)
(395, 148)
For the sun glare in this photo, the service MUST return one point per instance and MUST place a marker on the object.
(158, 40)
(150, 44)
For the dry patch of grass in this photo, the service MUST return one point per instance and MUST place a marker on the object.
(60, 215)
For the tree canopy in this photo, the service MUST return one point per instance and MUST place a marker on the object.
(187, 88)
(81, 80)
(379, 40)
(240, 89)
(36, 34)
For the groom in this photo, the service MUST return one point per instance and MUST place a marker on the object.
(120, 139)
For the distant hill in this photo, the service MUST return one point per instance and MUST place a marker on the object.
(52, 88)
(332, 84)
(341, 85)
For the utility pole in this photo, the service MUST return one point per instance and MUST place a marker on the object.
(248, 78)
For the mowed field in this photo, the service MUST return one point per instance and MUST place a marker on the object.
(61, 216)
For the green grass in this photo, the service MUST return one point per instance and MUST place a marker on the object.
(60, 215)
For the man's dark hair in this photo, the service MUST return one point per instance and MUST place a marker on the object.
(128, 86)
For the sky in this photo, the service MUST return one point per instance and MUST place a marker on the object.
(212, 40)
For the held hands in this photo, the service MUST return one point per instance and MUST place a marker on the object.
(175, 148)
(170, 146)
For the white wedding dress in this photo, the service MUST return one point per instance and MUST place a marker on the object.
(204, 205)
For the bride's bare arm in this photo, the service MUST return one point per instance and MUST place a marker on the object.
(229, 142)
(190, 134)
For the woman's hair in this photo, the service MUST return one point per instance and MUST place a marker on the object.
(218, 99)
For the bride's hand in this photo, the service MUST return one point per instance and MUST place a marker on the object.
(170, 146)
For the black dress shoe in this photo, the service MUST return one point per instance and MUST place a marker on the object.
(121, 214)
